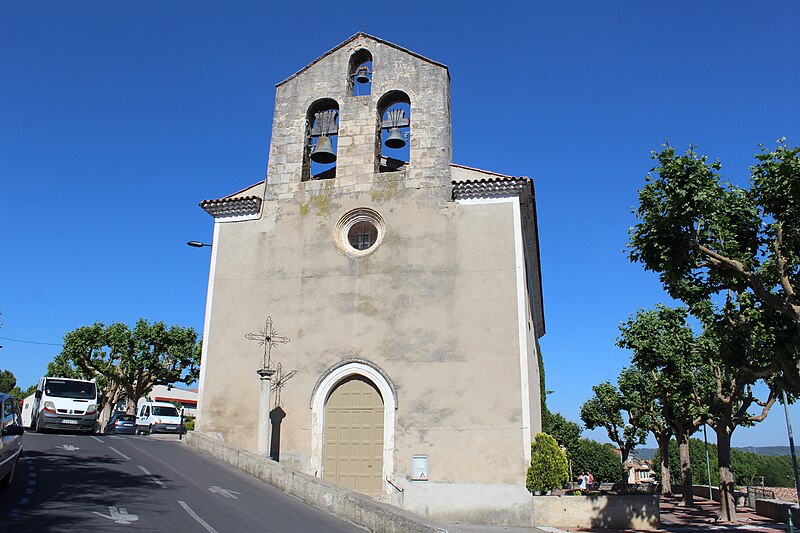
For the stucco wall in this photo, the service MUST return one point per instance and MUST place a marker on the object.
(435, 307)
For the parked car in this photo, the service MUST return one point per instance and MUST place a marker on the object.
(11, 437)
(158, 417)
(121, 423)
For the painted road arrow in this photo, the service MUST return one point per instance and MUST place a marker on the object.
(68, 447)
(119, 515)
(224, 492)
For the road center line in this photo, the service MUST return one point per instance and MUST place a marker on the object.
(196, 517)
(119, 453)
(98, 440)
(158, 481)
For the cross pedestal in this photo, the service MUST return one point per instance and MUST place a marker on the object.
(265, 374)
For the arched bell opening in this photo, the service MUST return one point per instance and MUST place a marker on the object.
(359, 76)
(321, 140)
(394, 132)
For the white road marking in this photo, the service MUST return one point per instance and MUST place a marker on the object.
(32, 482)
(32, 474)
(119, 516)
(119, 453)
(24, 501)
(68, 447)
(227, 493)
(197, 518)
(98, 440)
(28, 492)
(14, 513)
(158, 481)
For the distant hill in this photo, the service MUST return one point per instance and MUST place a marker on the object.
(649, 453)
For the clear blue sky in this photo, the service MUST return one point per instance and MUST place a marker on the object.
(117, 118)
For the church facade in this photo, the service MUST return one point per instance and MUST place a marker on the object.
(394, 296)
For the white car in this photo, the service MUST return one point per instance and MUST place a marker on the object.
(158, 417)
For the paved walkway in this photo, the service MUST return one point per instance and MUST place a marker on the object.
(703, 517)
(674, 518)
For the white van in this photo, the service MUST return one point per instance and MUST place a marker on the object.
(27, 410)
(158, 417)
(64, 404)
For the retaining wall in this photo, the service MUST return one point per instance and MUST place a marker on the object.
(637, 511)
(359, 509)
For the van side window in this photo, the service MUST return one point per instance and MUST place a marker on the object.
(141, 413)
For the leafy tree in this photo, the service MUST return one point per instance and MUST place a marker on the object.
(601, 460)
(705, 237)
(566, 432)
(21, 394)
(7, 381)
(129, 362)
(735, 348)
(641, 390)
(664, 344)
(548, 468)
(605, 410)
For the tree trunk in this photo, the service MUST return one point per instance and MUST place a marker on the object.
(666, 477)
(686, 470)
(727, 500)
(105, 415)
(623, 461)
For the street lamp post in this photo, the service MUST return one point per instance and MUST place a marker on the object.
(708, 464)
(791, 444)
(197, 244)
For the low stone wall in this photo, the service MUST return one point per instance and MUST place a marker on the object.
(637, 511)
(359, 509)
(778, 510)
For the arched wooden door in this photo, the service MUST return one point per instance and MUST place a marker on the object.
(353, 451)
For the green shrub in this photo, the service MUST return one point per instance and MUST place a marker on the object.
(548, 468)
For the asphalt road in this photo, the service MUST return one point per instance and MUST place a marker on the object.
(104, 483)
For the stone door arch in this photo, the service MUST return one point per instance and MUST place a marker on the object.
(356, 379)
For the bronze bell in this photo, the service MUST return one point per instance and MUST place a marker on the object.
(323, 152)
(395, 139)
(362, 74)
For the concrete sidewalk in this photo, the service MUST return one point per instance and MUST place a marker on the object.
(703, 517)
(674, 518)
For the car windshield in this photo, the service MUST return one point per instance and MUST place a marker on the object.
(60, 388)
(164, 411)
(126, 418)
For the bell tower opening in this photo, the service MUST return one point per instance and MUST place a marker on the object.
(320, 147)
(394, 131)
(360, 73)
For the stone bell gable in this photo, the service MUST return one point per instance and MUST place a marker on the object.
(396, 76)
